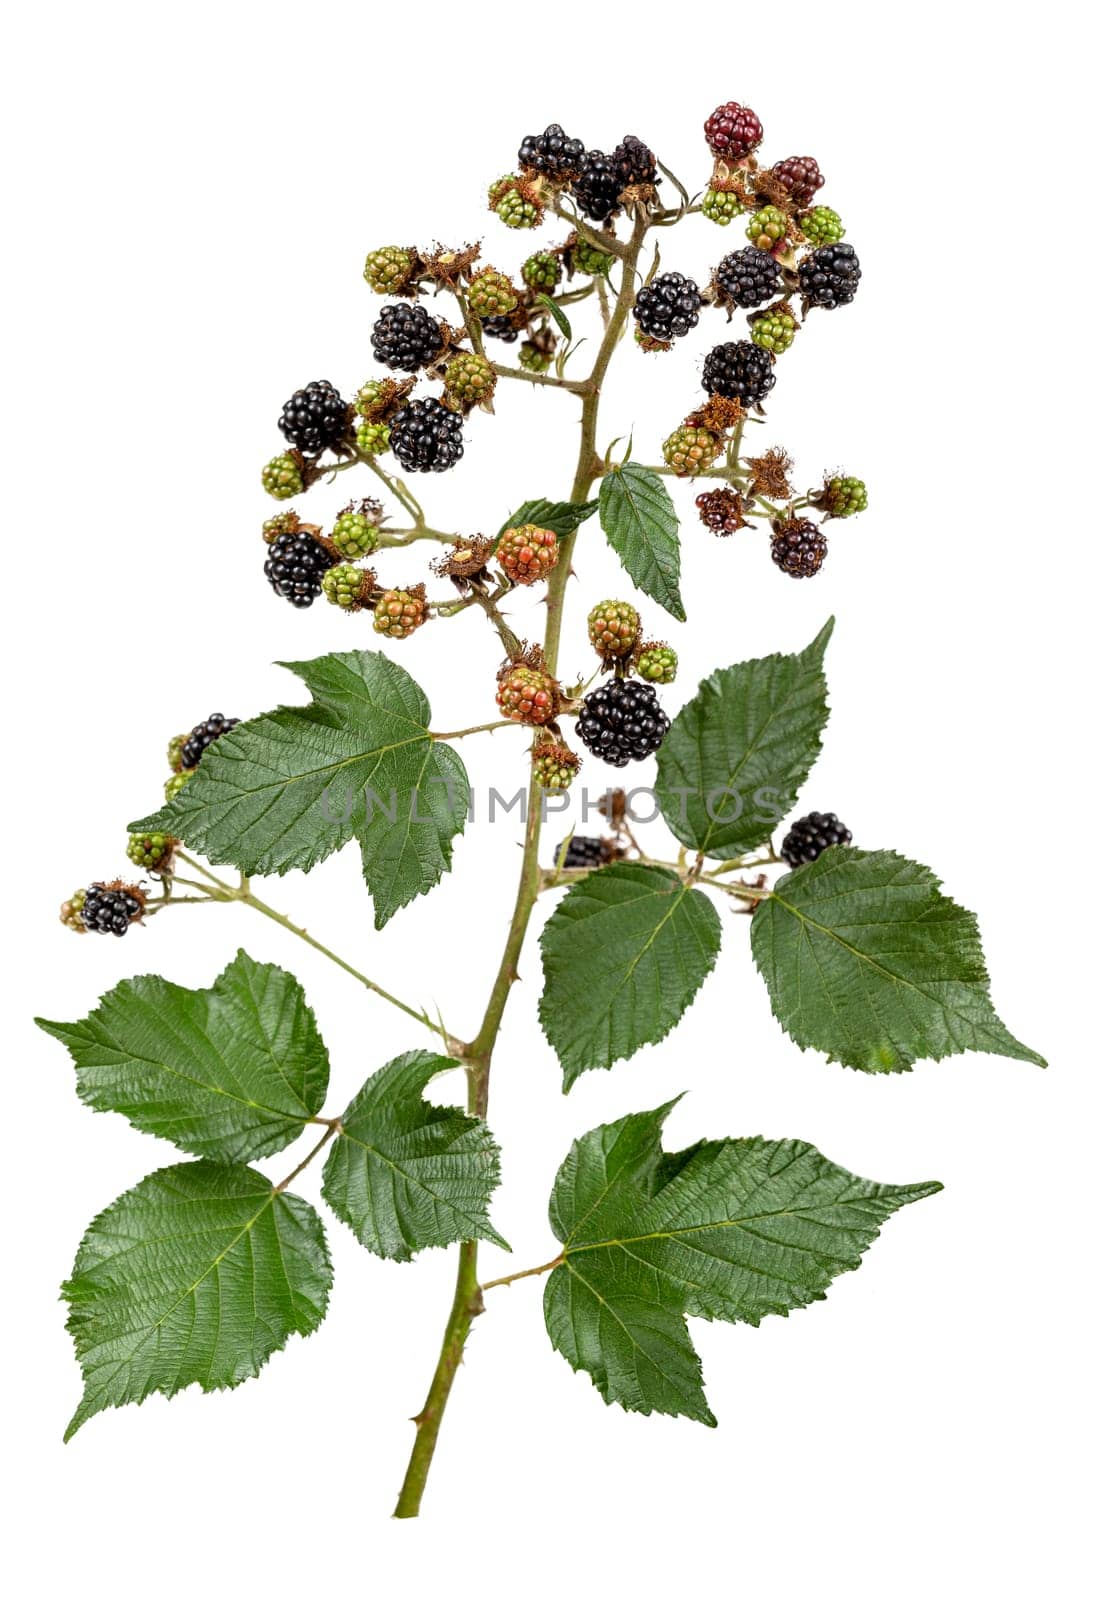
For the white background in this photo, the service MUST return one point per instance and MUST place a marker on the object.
(195, 190)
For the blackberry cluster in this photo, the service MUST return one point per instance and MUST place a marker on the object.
(801, 176)
(808, 836)
(406, 337)
(598, 187)
(749, 277)
(799, 547)
(830, 276)
(427, 437)
(551, 153)
(499, 328)
(622, 722)
(580, 852)
(668, 307)
(295, 567)
(201, 737)
(109, 910)
(635, 162)
(739, 371)
(315, 418)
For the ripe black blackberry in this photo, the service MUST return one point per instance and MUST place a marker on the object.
(634, 161)
(580, 852)
(749, 277)
(201, 737)
(740, 370)
(829, 277)
(668, 307)
(499, 328)
(551, 153)
(406, 337)
(295, 567)
(799, 547)
(622, 722)
(808, 836)
(597, 187)
(427, 437)
(316, 418)
(110, 910)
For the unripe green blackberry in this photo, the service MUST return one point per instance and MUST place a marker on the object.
(175, 751)
(588, 259)
(388, 270)
(153, 851)
(469, 381)
(844, 497)
(543, 270)
(774, 330)
(613, 627)
(177, 781)
(72, 911)
(372, 438)
(370, 396)
(354, 532)
(656, 663)
(767, 227)
(822, 225)
(554, 765)
(721, 206)
(526, 694)
(282, 477)
(491, 294)
(344, 586)
(281, 522)
(534, 359)
(399, 612)
(690, 450)
(511, 206)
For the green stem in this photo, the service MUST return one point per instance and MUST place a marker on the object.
(467, 1297)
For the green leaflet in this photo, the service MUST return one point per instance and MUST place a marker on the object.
(865, 959)
(640, 523)
(624, 954)
(287, 789)
(735, 756)
(406, 1175)
(195, 1276)
(233, 1072)
(562, 516)
(730, 1230)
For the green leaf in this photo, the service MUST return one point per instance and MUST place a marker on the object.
(735, 756)
(406, 1175)
(288, 789)
(866, 959)
(233, 1072)
(640, 523)
(624, 954)
(195, 1276)
(562, 516)
(556, 313)
(730, 1230)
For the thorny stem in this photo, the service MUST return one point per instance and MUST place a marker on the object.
(529, 1272)
(468, 1295)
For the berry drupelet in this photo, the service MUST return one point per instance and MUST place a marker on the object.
(427, 437)
(739, 371)
(200, 738)
(732, 131)
(598, 187)
(748, 278)
(799, 547)
(316, 418)
(668, 307)
(808, 836)
(829, 277)
(295, 567)
(552, 153)
(406, 337)
(111, 908)
(622, 722)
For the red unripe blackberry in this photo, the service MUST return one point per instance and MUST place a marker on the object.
(406, 337)
(739, 371)
(315, 418)
(201, 737)
(427, 437)
(732, 131)
(799, 547)
(801, 176)
(598, 186)
(111, 908)
(634, 161)
(399, 612)
(613, 628)
(829, 277)
(622, 722)
(808, 836)
(295, 567)
(721, 510)
(525, 694)
(552, 153)
(528, 553)
(749, 277)
(668, 307)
